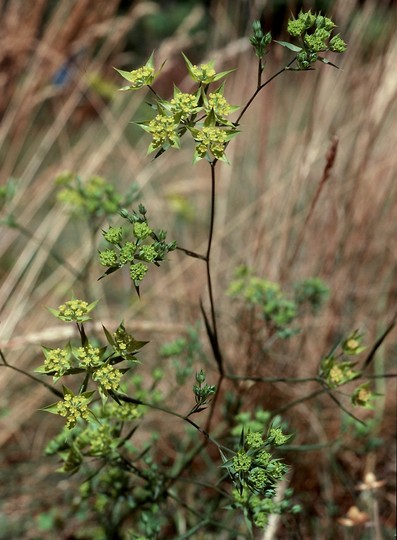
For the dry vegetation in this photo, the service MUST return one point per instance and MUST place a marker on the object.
(266, 218)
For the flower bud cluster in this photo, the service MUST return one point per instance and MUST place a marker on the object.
(57, 361)
(163, 129)
(108, 377)
(72, 408)
(256, 473)
(218, 104)
(203, 73)
(211, 139)
(138, 271)
(134, 253)
(89, 356)
(314, 32)
(184, 105)
(73, 311)
(94, 197)
(141, 77)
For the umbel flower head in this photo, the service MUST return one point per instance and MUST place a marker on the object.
(72, 407)
(57, 362)
(140, 77)
(108, 377)
(204, 73)
(73, 311)
(314, 33)
(164, 131)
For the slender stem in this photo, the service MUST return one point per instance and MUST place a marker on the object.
(191, 253)
(208, 267)
(271, 379)
(127, 399)
(291, 404)
(260, 70)
(259, 88)
(49, 387)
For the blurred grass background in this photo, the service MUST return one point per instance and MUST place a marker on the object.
(60, 109)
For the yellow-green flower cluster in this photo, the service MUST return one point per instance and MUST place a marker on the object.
(108, 377)
(142, 230)
(57, 361)
(336, 376)
(317, 42)
(163, 130)
(94, 197)
(335, 373)
(184, 104)
(127, 252)
(108, 257)
(219, 104)
(73, 310)
(277, 437)
(101, 440)
(353, 344)
(138, 271)
(148, 253)
(254, 440)
(89, 356)
(124, 344)
(141, 77)
(296, 27)
(258, 477)
(125, 411)
(122, 339)
(242, 462)
(337, 44)
(263, 458)
(314, 32)
(203, 73)
(113, 235)
(73, 408)
(362, 396)
(211, 138)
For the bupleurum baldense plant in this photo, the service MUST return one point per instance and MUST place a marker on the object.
(103, 398)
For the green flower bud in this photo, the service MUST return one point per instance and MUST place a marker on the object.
(263, 458)
(114, 235)
(73, 310)
(73, 408)
(184, 104)
(261, 519)
(337, 44)
(308, 19)
(127, 252)
(295, 27)
(142, 230)
(108, 257)
(88, 356)
(242, 462)
(108, 377)
(219, 104)
(258, 477)
(362, 396)
(277, 437)
(148, 253)
(138, 271)
(325, 22)
(254, 440)
(57, 361)
(203, 73)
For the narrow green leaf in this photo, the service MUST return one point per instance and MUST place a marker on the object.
(290, 46)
